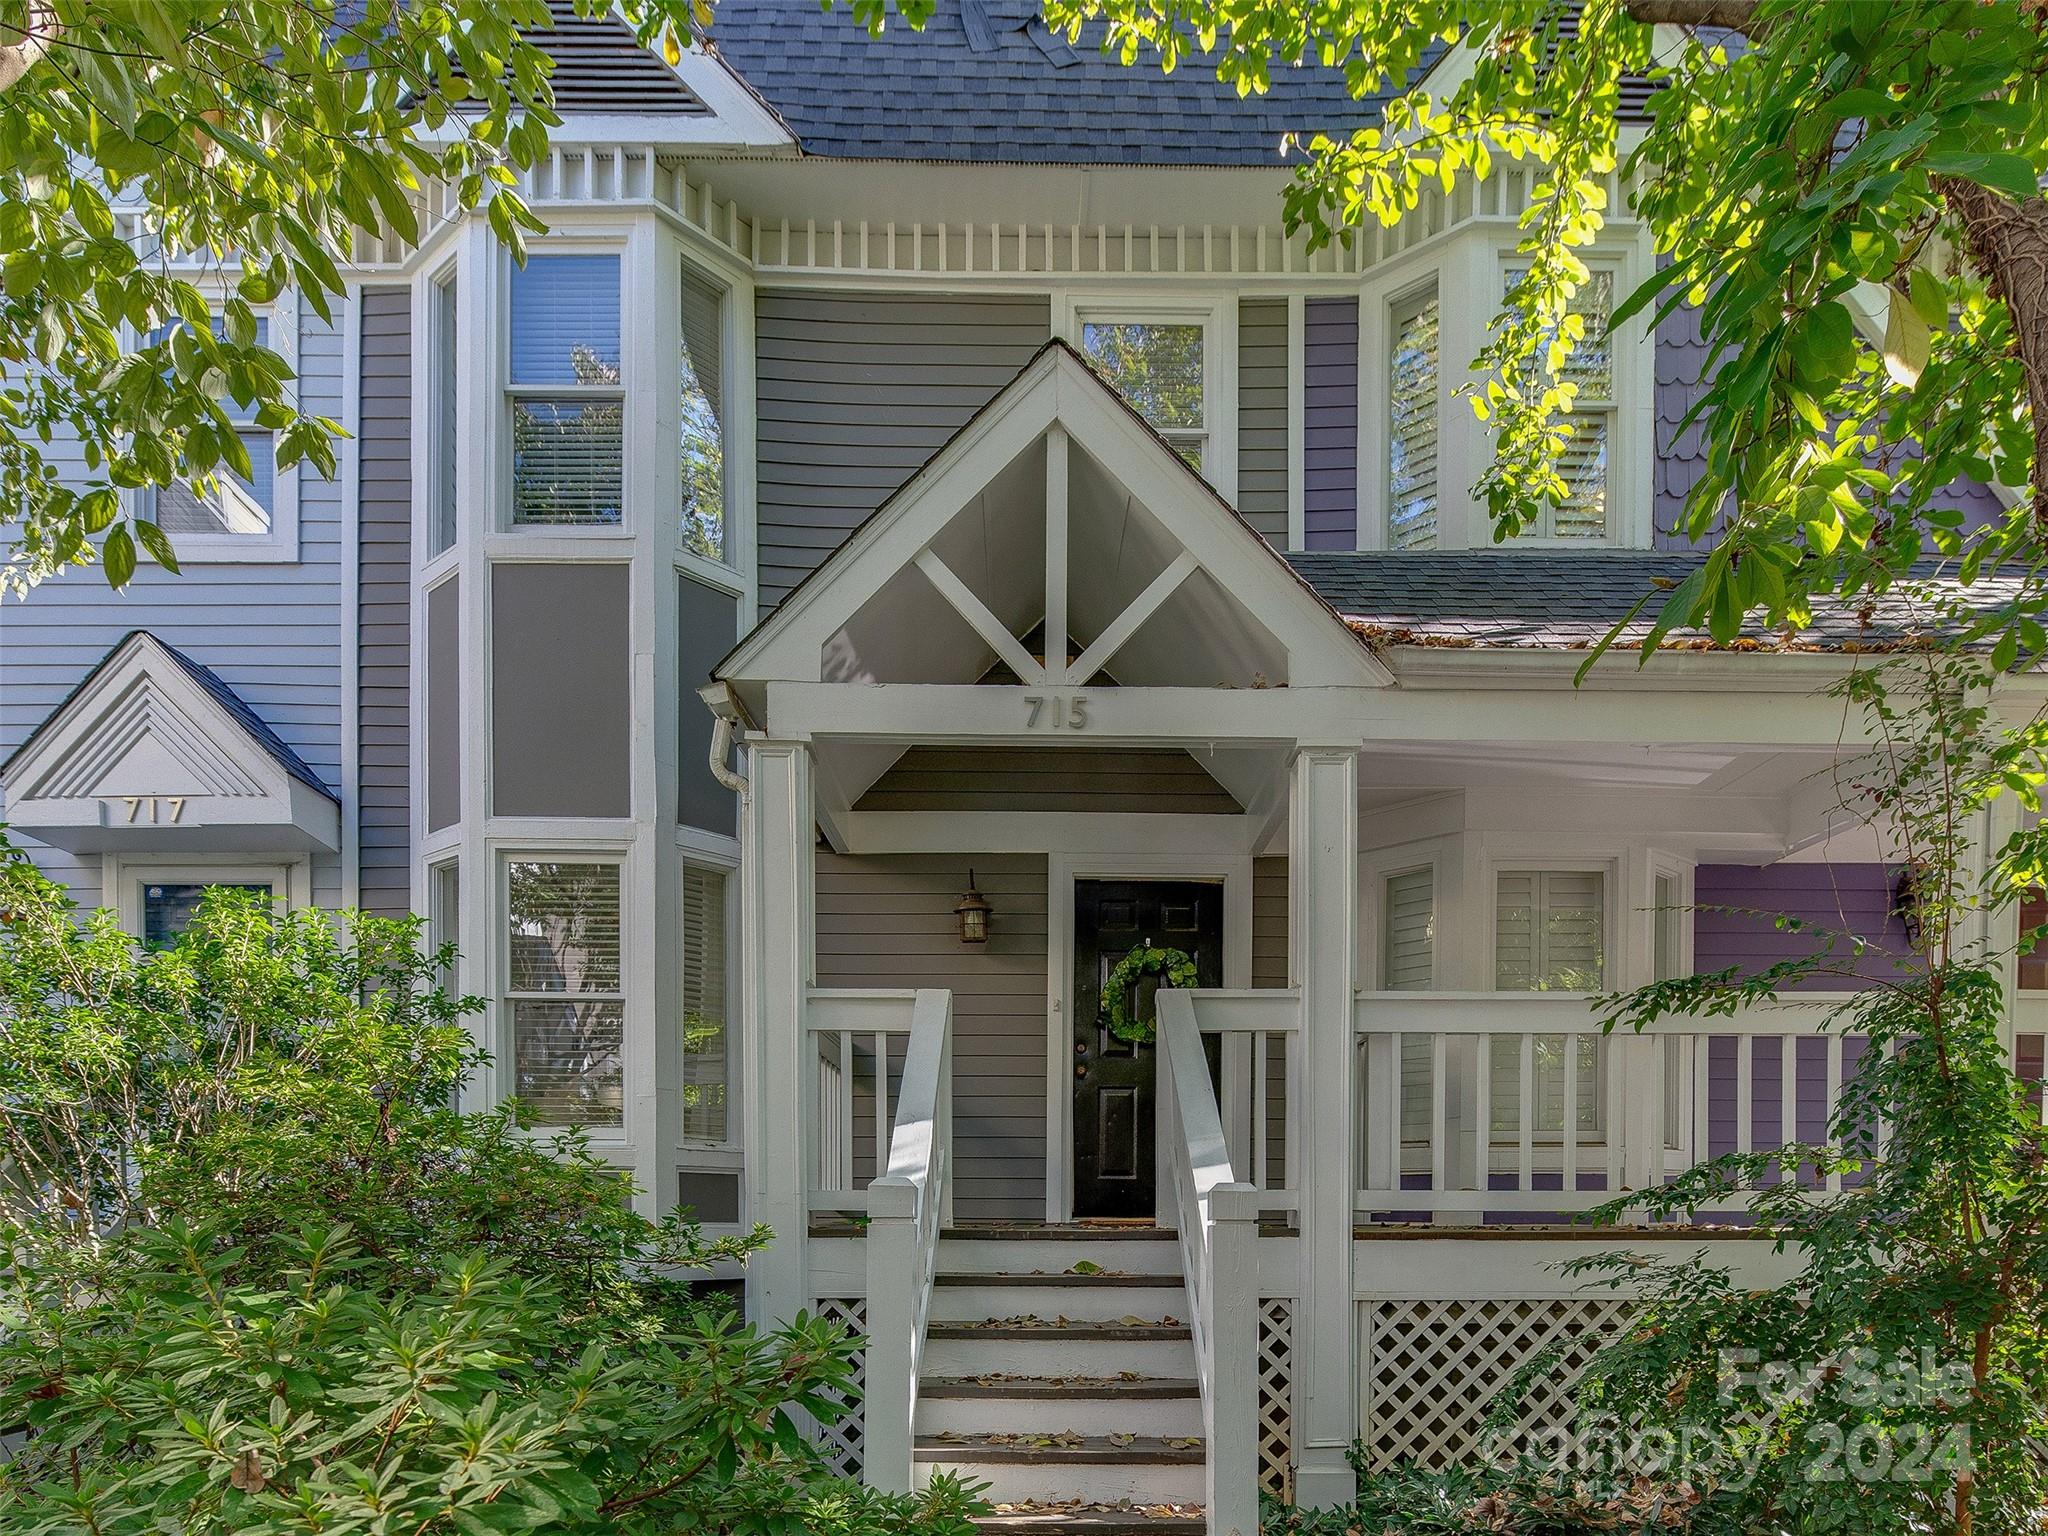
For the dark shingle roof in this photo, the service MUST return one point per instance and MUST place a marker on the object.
(1564, 600)
(986, 81)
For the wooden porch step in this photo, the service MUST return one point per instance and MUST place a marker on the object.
(1064, 1232)
(1090, 1282)
(1068, 1331)
(1086, 1450)
(1011, 1387)
(1105, 1521)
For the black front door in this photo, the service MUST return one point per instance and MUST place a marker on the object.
(1114, 1081)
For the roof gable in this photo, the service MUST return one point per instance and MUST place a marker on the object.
(154, 751)
(1055, 510)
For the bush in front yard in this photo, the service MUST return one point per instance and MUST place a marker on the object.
(260, 1277)
(1501, 1501)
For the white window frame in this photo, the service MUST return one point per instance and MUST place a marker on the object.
(124, 874)
(1426, 289)
(620, 246)
(732, 337)
(1470, 261)
(1216, 313)
(1629, 517)
(1613, 939)
(436, 456)
(503, 1031)
(280, 545)
(702, 1152)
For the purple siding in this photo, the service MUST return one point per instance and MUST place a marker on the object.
(1848, 898)
(1330, 424)
(1682, 455)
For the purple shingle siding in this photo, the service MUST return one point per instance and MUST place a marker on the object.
(1681, 454)
(1736, 904)
(1330, 426)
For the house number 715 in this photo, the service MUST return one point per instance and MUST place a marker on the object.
(1056, 714)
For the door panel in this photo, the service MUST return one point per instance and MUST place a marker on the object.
(1115, 1083)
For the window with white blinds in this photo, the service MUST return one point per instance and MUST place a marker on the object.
(703, 418)
(567, 395)
(1408, 953)
(235, 504)
(443, 356)
(705, 1075)
(565, 991)
(1584, 463)
(1548, 933)
(1414, 373)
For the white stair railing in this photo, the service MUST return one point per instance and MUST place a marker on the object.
(907, 1208)
(1218, 1217)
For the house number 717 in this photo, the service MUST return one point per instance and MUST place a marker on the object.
(1064, 714)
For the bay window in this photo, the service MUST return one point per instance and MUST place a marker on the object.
(564, 991)
(566, 393)
(444, 437)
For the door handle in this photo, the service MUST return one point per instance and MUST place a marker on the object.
(1080, 1069)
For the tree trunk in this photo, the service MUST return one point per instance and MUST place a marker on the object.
(2008, 244)
(18, 57)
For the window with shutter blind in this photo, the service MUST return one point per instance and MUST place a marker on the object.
(567, 395)
(1583, 466)
(235, 505)
(565, 991)
(1414, 372)
(705, 1077)
(1408, 954)
(1548, 933)
(703, 418)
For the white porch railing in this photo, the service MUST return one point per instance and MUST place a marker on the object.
(907, 1207)
(1217, 1216)
(858, 1038)
(1483, 1102)
(1258, 1035)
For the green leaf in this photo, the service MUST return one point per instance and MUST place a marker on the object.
(118, 555)
(2001, 172)
(158, 543)
(1928, 295)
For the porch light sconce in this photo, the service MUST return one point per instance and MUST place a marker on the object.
(973, 914)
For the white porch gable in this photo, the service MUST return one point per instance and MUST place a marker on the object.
(152, 752)
(1056, 512)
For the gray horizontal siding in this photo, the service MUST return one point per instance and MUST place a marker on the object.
(384, 643)
(1118, 780)
(271, 631)
(1262, 416)
(1330, 424)
(888, 922)
(855, 392)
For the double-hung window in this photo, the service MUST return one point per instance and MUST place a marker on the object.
(1415, 373)
(1159, 364)
(444, 363)
(1585, 463)
(567, 395)
(235, 506)
(564, 995)
(706, 1077)
(702, 419)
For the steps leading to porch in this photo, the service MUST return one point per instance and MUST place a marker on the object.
(1059, 1370)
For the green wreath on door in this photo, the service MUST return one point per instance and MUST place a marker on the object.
(1173, 967)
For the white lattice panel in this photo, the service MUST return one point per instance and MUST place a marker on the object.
(1276, 1397)
(842, 1441)
(1432, 1370)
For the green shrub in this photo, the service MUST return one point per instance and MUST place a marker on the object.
(261, 1277)
(1504, 1501)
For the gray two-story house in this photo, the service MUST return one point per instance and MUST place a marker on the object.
(915, 532)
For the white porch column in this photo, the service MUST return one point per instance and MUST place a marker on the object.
(777, 894)
(1322, 872)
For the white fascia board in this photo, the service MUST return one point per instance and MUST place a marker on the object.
(747, 119)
